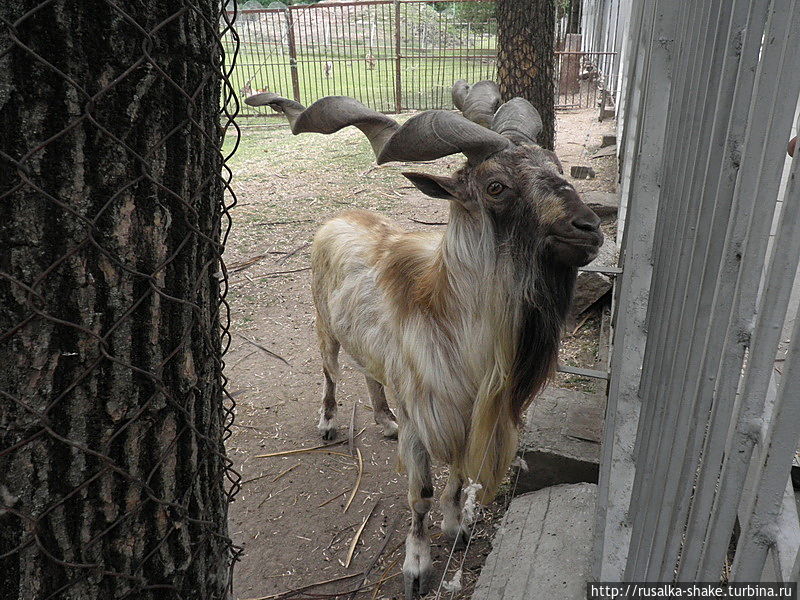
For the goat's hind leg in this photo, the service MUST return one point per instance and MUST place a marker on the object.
(417, 565)
(450, 503)
(383, 414)
(329, 347)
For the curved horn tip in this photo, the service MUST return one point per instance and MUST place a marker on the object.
(262, 99)
(459, 93)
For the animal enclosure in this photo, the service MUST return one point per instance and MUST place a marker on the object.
(392, 56)
(284, 197)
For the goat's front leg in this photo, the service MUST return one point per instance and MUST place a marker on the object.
(417, 564)
(450, 503)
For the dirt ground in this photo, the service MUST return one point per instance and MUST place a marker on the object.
(290, 515)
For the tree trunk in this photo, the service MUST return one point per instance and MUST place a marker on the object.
(112, 464)
(525, 38)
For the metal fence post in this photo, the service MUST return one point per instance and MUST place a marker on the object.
(398, 88)
(292, 55)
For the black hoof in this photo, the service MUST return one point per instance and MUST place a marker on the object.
(329, 435)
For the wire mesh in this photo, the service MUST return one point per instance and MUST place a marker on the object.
(114, 202)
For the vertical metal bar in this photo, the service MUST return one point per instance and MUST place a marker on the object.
(292, 55)
(398, 88)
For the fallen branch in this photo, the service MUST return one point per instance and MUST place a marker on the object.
(284, 472)
(377, 556)
(333, 452)
(247, 263)
(295, 591)
(427, 222)
(299, 450)
(320, 595)
(581, 324)
(268, 223)
(385, 577)
(283, 489)
(311, 449)
(357, 536)
(358, 480)
(260, 347)
(293, 252)
(280, 273)
(329, 500)
(350, 441)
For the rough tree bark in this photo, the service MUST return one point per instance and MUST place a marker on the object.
(112, 466)
(525, 38)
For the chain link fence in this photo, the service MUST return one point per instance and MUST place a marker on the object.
(114, 212)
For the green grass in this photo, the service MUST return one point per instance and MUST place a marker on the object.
(425, 82)
(432, 45)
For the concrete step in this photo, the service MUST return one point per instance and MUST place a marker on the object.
(561, 439)
(543, 547)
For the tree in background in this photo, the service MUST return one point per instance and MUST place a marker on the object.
(525, 59)
(112, 465)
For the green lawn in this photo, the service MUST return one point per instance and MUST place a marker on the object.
(436, 51)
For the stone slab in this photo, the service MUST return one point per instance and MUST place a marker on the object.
(560, 440)
(542, 549)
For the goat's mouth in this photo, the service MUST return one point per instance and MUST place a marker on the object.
(576, 250)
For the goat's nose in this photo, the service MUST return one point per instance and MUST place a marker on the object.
(586, 221)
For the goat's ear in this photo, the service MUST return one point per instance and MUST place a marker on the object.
(434, 185)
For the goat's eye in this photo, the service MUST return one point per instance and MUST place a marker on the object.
(495, 188)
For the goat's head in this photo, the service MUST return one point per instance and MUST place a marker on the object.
(509, 182)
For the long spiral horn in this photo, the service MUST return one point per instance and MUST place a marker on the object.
(426, 136)
(518, 120)
(477, 103)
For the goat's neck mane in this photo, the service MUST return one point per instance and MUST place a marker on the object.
(527, 297)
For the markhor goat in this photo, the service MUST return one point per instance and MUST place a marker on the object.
(460, 329)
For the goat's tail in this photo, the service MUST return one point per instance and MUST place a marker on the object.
(491, 444)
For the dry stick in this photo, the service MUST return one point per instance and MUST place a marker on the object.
(284, 472)
(329, 500)
(385, 577)
(335, 538)
(260, 347)
(293, 252)
(350, 441)
(427, 222)
(358, 479)
(295, 591)
(247, 263)
(279, 273)
(345, 454)
(234, 365)
(320, 595)
(357, 536)
(266, 223)
(260, 504)
(375, 558)
(581, 324)
(312, 449)
(299, 450)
